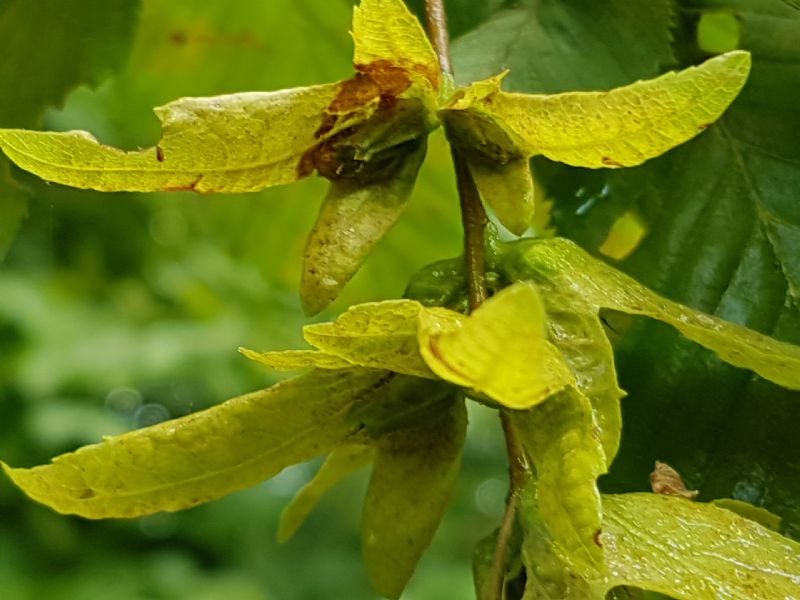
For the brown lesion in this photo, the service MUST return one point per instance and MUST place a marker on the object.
(87, 494)
(390, 78)
(328, 123)
(192, 187)
(332, 157)
(597, 537)
(610, 162)
(306, 165)
(380, 79)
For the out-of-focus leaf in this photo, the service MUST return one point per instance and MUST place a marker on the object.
(462, 15)
(355, 216)
(181, 463)
(340, 463)
(718, 32)
(620, 128)
(561, 440)
(551, 46)
(482, 562)
(714, 553)
(413, 477)
(794, 3)
(375, 334)
(86, 42)
(576, 330)
(384, 31)
(625, 234)
(500, 350)
(564, 264)
(13, 207)
(289, 360)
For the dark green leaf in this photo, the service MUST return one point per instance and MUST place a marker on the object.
(724, 237)
(553, 46)
(463, 15)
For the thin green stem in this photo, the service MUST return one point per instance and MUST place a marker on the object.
(474, 220)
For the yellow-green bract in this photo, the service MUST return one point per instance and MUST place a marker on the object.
(367, 136)
(561, 264)
(688, 550)
(499, 131)
(500, 350)
(561, 441)
(188, 461)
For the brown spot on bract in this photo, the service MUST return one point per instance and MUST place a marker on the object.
(325, 161)
(597, 538)
(328, 123)
(432, 75)
(610, 162)
(178, 37)
(87, 494)
(387, 102)
(354, 93)
(159, 154)
(305, 166)
(378, 80)
(192, 187)
(704, 126)
(390, 78)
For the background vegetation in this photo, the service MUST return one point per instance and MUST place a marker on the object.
(121, 310)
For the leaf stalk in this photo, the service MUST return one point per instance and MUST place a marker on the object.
(474, 220)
